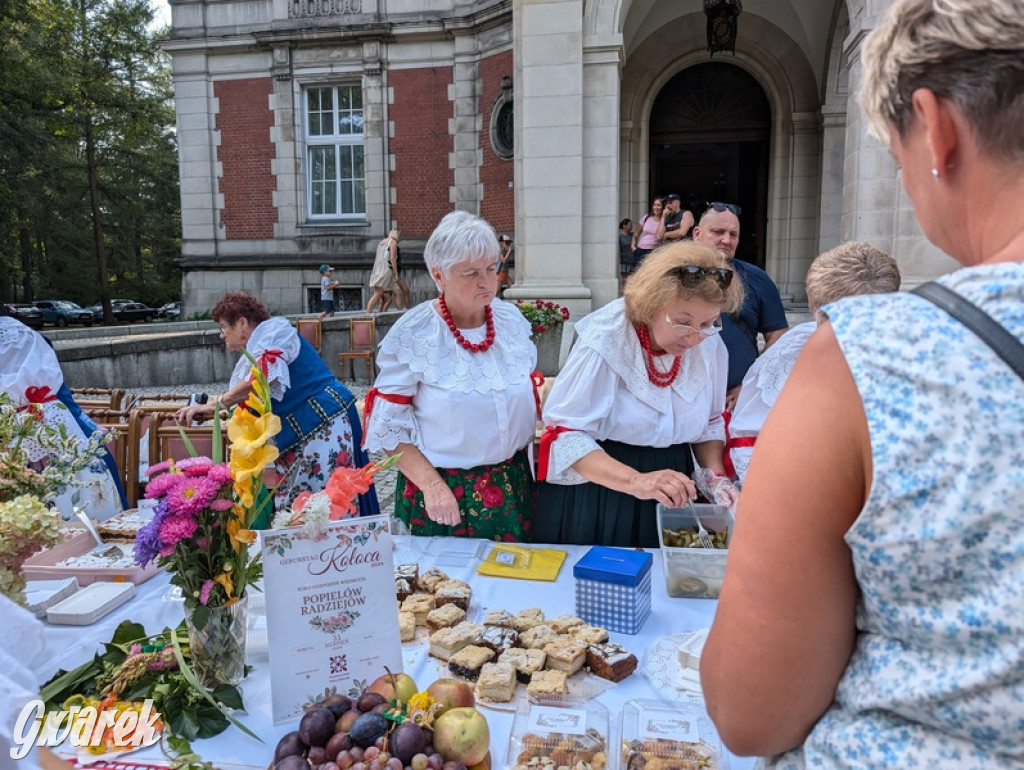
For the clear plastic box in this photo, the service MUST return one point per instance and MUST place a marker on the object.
(43, 565)
(679, 736)
(694, 573)
(562, 729)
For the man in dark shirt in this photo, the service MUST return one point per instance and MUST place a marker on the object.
(762, 310)
(676, 223)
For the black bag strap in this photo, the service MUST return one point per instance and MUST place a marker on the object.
(1004, 344)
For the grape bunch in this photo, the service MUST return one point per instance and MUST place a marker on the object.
(343, 733)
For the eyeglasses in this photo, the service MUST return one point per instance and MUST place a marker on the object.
(691, 275)
(719, 206)
(704, 331)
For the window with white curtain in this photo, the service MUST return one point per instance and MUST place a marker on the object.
(335, 174)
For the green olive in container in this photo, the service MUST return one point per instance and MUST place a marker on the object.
(692, 571)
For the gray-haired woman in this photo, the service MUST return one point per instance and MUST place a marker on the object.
(455, 396)
(871, 614)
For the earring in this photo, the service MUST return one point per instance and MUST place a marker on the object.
(935, 174)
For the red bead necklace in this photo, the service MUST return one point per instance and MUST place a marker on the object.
(657, 377)
(472, 347)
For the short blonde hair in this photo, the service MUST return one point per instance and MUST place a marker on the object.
(969, 52)
(849, 269)
(650, 289)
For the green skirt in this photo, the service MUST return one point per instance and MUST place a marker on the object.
(590, 514)
(496, 501)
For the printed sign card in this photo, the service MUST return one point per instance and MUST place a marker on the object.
(332, 619)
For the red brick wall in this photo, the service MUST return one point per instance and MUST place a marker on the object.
(498, 204)
(245, 153)
(421, 146)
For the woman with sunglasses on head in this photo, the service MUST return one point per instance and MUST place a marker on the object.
(871, 614)
(643, 386)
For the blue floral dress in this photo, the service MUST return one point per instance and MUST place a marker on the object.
(937, 674)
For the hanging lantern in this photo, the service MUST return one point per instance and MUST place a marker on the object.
(722, 15)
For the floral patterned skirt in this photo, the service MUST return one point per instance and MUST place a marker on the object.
(307, 467)
(496, 501)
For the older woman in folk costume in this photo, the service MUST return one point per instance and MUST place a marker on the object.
(455, 396)
(850, 269)
(641, 395)
(320, 428)
(31, 376)
(871, 611)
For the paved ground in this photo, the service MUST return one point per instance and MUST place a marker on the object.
(385, 480)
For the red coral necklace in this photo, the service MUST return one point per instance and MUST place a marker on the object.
(472, 347)
(657, 377)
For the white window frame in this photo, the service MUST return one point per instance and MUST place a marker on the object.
(336, 134)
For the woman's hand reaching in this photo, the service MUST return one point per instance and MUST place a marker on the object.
(441, 505)
(668, 487)
(195, 413)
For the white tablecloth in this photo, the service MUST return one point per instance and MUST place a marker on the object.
(155, 608)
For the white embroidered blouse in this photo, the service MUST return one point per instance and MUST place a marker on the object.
(468, 409)
(272, 334)
(603, 392)
(761, 387)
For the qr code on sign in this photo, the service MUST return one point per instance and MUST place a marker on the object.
(338, 664)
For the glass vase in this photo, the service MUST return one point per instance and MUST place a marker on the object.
(218, 647)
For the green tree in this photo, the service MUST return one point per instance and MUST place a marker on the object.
(88, 180)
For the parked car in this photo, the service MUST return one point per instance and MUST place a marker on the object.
(171, 310)
(63, 312)
(126, 311)
(27, 314)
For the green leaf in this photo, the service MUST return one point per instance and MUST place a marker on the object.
(217, 445)
(200, 615)
(228, 696)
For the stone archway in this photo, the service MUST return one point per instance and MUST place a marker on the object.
(710, 131)
(791, 220)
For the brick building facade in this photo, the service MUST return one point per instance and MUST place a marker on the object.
(308, 128)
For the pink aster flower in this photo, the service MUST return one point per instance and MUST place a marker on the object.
(191, 496)
(162, 484)
(221, 504)
(195, 462)
(173, 530)
(152, 470)
(220, 473)
(204, 592)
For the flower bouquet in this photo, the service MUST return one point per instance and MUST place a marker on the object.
(202, 529)
(543, 315)
(27, 489)
(338, 500)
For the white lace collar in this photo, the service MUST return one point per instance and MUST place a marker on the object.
(775, 364)
(421, 340)
(610, 334)
(26, 360)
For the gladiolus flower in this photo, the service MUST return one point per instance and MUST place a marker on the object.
(249, 435)
(249, 466)
(224, 578)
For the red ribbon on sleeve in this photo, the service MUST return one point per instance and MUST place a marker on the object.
(268, 357)
(551, 433)
(371, 396)
(730, 442)
(35, 396)
(537, 378)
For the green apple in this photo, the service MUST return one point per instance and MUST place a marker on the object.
(462, 734)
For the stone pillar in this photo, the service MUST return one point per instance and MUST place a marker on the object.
(549, 178)
(465, 126)
(875, 207)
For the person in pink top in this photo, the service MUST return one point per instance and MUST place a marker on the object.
(645, 236)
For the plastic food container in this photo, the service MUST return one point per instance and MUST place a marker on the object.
(90, 604)
(552, 732)
(43, 565)
(679, 736)
(694, 573)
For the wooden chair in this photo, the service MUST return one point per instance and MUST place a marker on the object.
(311, 330)
(166, 442)
(362, 343)
(99, 398)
